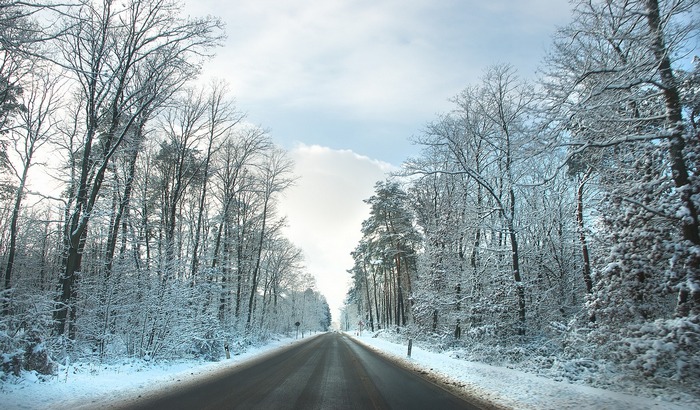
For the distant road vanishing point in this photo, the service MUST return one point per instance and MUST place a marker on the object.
(329, 371)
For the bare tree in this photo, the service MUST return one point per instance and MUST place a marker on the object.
(612, 82)
(241, 149)
(180, 167)
(484, 139)
(659, 30)
(106, 44)
(275, 177)
(221, 118)
(39, 101)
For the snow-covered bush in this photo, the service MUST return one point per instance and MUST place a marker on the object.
(208, 348)
(24, 335)
(664, 350)
(11, 363)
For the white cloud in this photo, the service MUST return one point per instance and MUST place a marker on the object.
(365, 57)
(325, 210)
(373, 59)
(320, 71)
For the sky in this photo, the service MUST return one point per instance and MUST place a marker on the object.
(343, 85)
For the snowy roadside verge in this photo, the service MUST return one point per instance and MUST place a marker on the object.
(86, 386)
(90, 386)
(511, 388)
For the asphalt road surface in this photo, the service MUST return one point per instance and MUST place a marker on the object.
(330, 371)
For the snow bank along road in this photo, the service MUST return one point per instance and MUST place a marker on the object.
(329, 371)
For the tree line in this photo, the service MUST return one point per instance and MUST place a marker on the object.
(556, 218)
(162, 237)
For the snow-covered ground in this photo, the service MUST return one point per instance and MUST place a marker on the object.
(516, 389)
(90, 385)
(95, 385)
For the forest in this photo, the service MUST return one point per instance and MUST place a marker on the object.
(552, 225)
(548, 224)
(158, 235)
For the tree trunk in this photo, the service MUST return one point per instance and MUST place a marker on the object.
(519, 287)
(582, 235)
(200, 213)
(369, 299)
(13, 233)
(256, 270)
(240, 234)
(376, 301)
(688, 299)
(225, 296)
(121, 210)
(64, 313)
